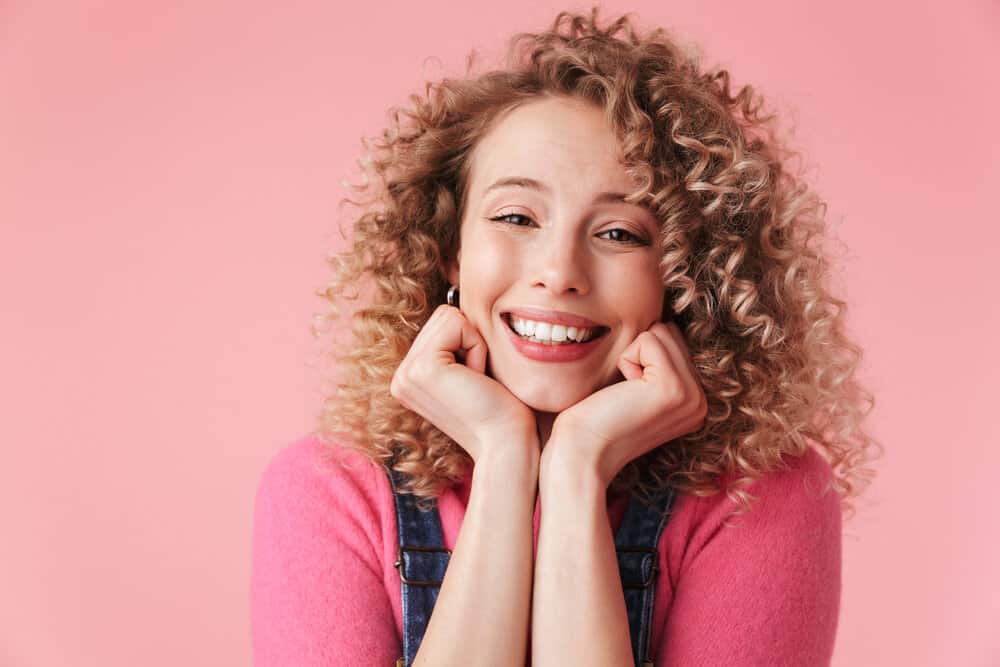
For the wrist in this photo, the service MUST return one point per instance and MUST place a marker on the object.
(513, 457)
(562, 463)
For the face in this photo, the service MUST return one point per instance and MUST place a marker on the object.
(542, 238)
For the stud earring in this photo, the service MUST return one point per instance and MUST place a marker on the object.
(453, 296)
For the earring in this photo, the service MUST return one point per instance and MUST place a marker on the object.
(453, 296)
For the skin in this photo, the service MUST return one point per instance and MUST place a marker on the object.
(567, 427)
(558, 251)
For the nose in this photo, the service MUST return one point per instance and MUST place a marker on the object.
(561, 263)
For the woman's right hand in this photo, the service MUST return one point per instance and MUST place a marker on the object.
(460, 399)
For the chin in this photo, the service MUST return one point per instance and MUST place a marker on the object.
(542, 397)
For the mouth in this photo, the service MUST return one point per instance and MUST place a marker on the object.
(549, 334)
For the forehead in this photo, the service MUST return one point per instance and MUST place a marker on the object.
(567, 144)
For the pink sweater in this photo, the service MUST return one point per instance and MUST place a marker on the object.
(765, 591)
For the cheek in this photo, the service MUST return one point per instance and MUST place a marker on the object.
(487, 269)
(641, 295)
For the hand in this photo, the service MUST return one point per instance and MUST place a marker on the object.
(460, 400)
(660, 399)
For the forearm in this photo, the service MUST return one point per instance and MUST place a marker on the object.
(481, 613)
(578, 607)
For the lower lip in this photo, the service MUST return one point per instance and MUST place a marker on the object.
(560, 352)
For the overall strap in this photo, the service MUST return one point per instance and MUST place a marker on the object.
(421, 561)
(638, 564)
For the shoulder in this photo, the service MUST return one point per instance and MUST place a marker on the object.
(799, 494)
(771, 572)
(308, 463)
(794, 514)
(318, 575)
(313, 486)
(802, 488)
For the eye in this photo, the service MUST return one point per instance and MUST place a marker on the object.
(619, 235)
(512, 215)
(624, 236)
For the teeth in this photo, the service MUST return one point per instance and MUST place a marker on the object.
(546, 332)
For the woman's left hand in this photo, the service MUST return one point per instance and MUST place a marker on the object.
(660, 399)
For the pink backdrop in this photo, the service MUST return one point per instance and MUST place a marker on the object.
(169, 174)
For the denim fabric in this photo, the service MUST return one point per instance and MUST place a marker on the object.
(636, 543)
(423, 561)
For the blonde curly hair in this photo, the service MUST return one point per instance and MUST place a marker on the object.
(744, 266)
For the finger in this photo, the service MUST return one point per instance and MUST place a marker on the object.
(663, 330)
(628, 362)
(673, 341)
(429, 332)
(475, 357)
(463, 338)
(646, 357)
(682, 346)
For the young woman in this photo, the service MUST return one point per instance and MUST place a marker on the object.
(590, 278)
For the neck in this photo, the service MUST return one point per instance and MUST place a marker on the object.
(544, 421)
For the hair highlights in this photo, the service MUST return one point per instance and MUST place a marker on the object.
(744, 266)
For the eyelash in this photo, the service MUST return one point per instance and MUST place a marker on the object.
(636, 239)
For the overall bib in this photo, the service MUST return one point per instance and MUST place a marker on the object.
(422, 561)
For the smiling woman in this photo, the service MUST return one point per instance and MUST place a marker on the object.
(595, 288)
(569, 258)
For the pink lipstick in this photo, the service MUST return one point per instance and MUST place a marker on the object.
(555, 352)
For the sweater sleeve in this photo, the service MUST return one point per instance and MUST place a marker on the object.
(764, 591)
(317, 594)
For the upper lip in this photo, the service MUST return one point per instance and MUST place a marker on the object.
(553, 316)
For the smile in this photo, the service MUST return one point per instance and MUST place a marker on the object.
(554, 343)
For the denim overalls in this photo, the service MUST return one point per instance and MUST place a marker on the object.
(422, 561)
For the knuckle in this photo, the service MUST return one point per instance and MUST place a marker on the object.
(702, 407)
(442, 312)
(396, 385)
(421, 372)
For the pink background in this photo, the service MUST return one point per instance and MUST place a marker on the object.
(169, 174)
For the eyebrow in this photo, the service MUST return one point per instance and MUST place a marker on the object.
(521, 182)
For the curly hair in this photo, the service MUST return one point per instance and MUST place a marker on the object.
(744, 265)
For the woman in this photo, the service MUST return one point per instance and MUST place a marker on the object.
(592, 279)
